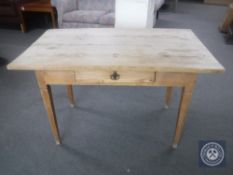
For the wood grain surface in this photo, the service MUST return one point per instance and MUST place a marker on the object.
(156, 50)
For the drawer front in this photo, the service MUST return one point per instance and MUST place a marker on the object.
(113, 77)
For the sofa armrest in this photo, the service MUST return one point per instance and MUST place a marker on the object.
(62, 7)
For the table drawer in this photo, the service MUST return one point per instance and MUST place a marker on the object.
(113, 77)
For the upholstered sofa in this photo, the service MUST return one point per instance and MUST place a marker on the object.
(88, 13)
(85, 13)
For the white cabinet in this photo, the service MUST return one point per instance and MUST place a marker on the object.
(134, 13)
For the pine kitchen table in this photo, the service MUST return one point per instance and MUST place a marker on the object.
(118, 57)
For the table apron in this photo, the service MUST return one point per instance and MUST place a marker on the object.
(126, 78)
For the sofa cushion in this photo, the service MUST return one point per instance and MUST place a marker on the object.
(84, 16)
(107, 19)
(107, 5)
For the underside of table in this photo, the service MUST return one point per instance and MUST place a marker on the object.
(116, 78)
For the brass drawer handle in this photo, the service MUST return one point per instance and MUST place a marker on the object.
(115, 76)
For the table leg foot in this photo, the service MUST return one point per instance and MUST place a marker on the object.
(174, 146)
(72, 105)
(58, 143)
(166, 106)
(70, 95)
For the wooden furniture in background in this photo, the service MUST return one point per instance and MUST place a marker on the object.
(228, 19)
(10, 12)
(229, 37)
(220, 2)
(118, 57)
(3, 62)
(231, 29)
(42, 6)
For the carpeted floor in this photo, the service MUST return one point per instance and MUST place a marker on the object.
(116, 130)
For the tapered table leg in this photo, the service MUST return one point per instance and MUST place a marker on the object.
(22, 24)
(168, 97)
(46, 94)
(23, 27)
(70, 95)
(186, 96)
(54, 24)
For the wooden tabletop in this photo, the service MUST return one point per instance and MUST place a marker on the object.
(164, 50)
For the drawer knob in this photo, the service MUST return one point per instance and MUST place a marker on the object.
(115, 76)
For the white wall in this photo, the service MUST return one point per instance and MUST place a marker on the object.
(134, 13)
